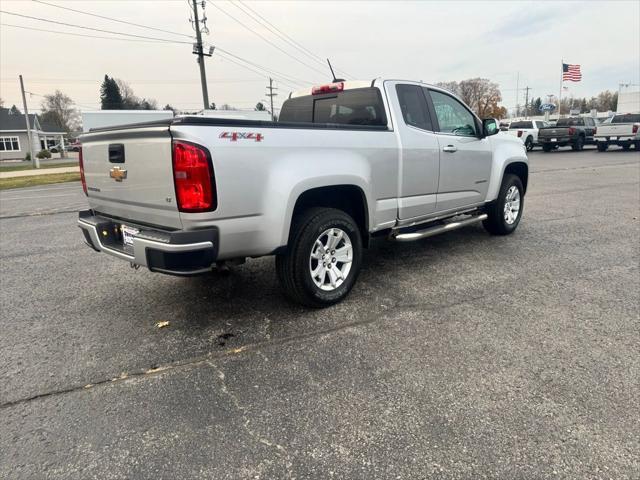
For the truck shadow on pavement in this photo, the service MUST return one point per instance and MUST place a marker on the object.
(241, 301)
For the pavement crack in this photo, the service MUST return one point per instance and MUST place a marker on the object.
(246, 419)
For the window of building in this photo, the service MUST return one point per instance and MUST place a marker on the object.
(9, 144)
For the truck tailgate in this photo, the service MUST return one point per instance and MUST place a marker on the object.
(615, 130)
(129, 174)
(553, 132)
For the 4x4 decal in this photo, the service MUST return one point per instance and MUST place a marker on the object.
(234, 136)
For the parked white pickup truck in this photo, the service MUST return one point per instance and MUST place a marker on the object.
(621, 130)
(527, 131)
(346, 162)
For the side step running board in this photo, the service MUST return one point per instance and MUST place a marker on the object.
(437, 229)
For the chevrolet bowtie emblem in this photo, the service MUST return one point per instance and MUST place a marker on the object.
(118, 174)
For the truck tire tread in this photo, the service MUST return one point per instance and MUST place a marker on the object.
(291, 266)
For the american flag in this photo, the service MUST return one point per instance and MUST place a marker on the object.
(571, 72)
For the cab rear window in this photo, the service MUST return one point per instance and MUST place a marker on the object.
(515, 125)
(361, 106)
(570, 122)
(628, 118)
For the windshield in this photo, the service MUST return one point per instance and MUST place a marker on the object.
(570, 122)
(627, 118)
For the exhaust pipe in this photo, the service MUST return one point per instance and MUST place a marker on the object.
(438, 229)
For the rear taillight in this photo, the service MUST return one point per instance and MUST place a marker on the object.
(595, 130)
(519, 133)
(328, 88)
(81, 163)
(193, 178)
(572, 131)
(634, 129)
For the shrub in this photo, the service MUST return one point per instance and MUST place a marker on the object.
(43, 154)
(27, 157)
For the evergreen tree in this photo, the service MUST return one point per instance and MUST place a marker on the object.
(536, 106)
(110, 96)
(14, 110)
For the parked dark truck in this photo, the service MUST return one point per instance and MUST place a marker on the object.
(572, 131)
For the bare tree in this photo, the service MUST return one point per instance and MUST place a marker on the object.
(129, 100)
(480, 94)
(57, 108)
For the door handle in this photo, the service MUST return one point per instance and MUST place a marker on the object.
(450, 149)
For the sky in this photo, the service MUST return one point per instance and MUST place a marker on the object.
(516, 44)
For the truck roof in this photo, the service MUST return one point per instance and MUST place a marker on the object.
(353, 84)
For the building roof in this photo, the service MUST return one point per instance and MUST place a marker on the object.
(16, 122)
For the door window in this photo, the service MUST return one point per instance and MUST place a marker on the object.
(453, 117)
(414, 106)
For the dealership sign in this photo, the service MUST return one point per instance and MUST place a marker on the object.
(547, 107)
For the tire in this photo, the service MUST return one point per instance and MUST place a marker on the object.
(546, 147)
(496, 223)
(636, 145)
(294, 268)
(578, 144)
(528, 143)
(626, 147)
(602, 146)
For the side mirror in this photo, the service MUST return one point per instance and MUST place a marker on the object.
(490, 126)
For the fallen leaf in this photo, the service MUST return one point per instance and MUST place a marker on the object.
(162, 324)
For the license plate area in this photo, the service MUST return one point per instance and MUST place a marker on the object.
(554, 139)
(613, 138)
(128, 234)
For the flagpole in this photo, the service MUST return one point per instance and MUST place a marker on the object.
(560, 95)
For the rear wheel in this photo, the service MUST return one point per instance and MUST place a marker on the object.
(626, 146)
(578, 144)
(546, 147)
(505, 213)
(323, 258)
(602, 146)
(528, 143)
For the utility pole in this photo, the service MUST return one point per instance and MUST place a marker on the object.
(526, 101)
(34, 159)
(518, 95)
(271, 95)
(197, 50)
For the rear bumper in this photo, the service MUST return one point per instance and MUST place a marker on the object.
(556, 140)
(619, 140)
(181, 253)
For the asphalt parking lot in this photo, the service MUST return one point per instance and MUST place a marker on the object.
(459, 356)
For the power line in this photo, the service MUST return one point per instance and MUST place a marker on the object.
(268, 70)
(78, 34)
(95, 29)
(113, 19)
(137, 81)
(276, 31)
(219, 51)
(266, 39)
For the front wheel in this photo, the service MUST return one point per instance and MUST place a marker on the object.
(505, 213)
(602, 146)
(323, 258)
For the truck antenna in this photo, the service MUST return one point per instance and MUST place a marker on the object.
(333, 74)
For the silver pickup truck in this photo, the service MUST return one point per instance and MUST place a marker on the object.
(345, 162)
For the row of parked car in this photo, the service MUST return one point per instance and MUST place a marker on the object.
(622, 130)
